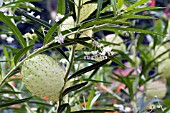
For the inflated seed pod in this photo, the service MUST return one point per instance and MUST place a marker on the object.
(164, 68)
(43, 76)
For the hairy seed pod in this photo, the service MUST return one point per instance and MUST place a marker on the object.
(43, 76)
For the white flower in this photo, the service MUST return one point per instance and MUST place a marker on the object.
(127, 109)
(60, 38)
(3, 36)
(9, 39)
(58, 17)
(38, 16)
(94, 52)
(87, 53)
(31, 14)
(107, 49)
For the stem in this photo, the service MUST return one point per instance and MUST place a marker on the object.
(71, 62)
(71, 57)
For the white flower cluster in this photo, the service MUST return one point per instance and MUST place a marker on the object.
(96, 54)
(122, 108)
(7, 38)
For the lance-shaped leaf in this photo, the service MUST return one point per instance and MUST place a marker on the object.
(120, 4)
(89, 68)
(21, 53)
(61, 7)
(13, 28)
(14, 102)
(36, 20)
(113, 2)
(73, 88)
(99, 8)
(62, 107)
(140, 2)
(94, 111)
(137, 10)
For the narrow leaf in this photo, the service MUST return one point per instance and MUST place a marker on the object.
(21, 53)
(89, 68)
(62, 53)
(99, 8)
(14, 102)
(62, 107)
(90, 98)
(140, 2)
(36, 20)
(73, 88)
(109, 28)
(137, 10)
(120, 4)
(61, 7)
(14, 29)
(94, 111)
(114, 6)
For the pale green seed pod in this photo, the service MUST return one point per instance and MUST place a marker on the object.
(164, 68)
(43, 76)
(156, 88)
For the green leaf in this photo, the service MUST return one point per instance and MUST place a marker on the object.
(9, 92)
(14, 29)
(54, 28)
(140, 2)
(114, 6)
(103, 21)
(36, 20)
(39, 102)
(117, 61)
(136, 17)
(90, 98)
(39, 34)
(94, 111)
(73, 88)
(99, 8)
(14, 50)
(62, 107)
(120, 4)
(136, 83)
(109, 28)
(166, 110)
(137, 10)
(5, 53)
(62, 53)
(61, 7)
(17, 2)
(89, 68)
(21, 53)
(14, 102)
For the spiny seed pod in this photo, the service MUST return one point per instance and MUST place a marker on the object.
(43, 76)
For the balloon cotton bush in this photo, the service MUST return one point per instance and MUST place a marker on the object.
(81, 73)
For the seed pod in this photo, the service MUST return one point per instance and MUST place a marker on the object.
(43, 76)
(156, 88)
(164, 68)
